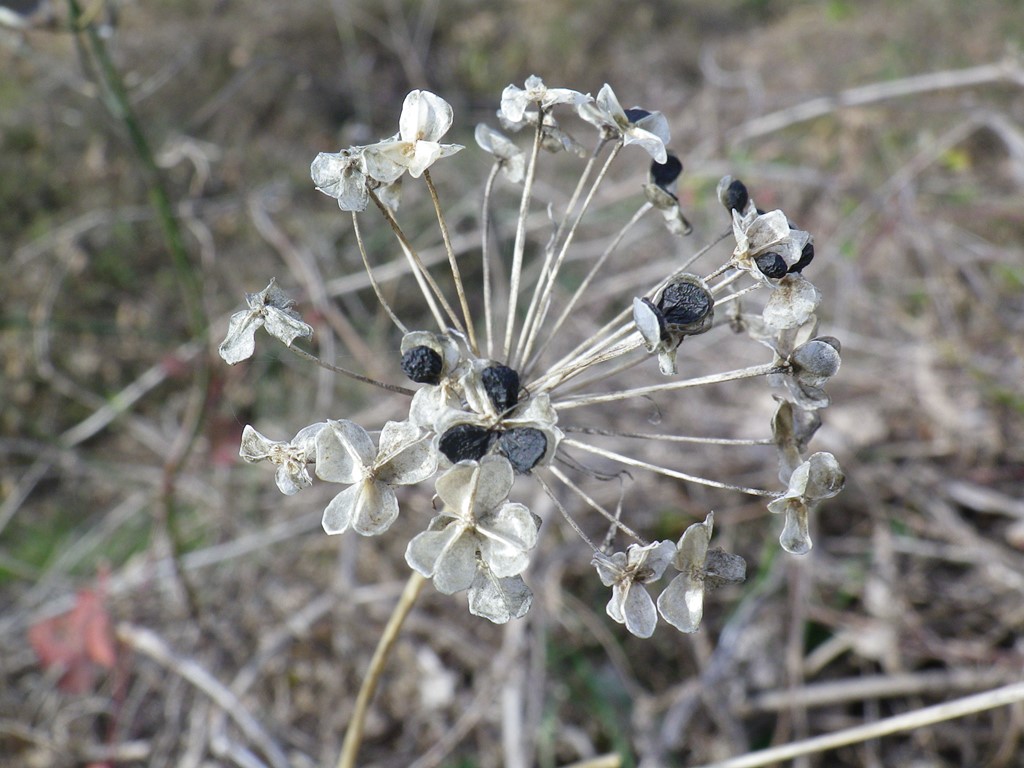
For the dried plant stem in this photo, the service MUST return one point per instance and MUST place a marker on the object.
(460, 289)
(939, 713)
(559, 377)
(666, 438)
(373, 281)
(354, 734)
(583, 286)
(561, 508)
(417, 263)
(549, 273)
(150, 644)
(351, 374)
(630, 461)
(520, 243)
(608, 334)
(613, 519)
(715, 378)
(485, 257)
(603, 761)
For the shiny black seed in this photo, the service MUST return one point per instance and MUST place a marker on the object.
(806, 257)
(422, 365)
(502, 386)
(736, 196)
(664, 174)
(523, 447)
(465, 442)
(636, 114)
(684, 303)
(771, 264)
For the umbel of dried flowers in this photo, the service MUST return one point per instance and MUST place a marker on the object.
(492, 387)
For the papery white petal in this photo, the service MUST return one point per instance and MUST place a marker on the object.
(682, 602)
(457, 566)
(795, 537)
(507, 535)
(425, 117)
(647, 323)
(255, 446)
(639, 613)
(692, 549)
(425, 549)
(374, 509)
(292, 478)
(406, 455)
(792, 303)
(385, 161)
(609, 568)
(338, 514)
(471, 488)
(825, 478)
(654, 557)
(499, 600)
(344, 452)
(240, 342)
(514, 101)
(284, 325)
(650, 142)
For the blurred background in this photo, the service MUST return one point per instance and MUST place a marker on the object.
(893, 131)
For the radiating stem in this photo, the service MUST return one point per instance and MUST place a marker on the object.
(613, 519)
(591, 274)
(485, 257)
(354, 733)
(453, 262)
(667, 438)
(520, 243)
(630, 461)
(541, 298)
(373, 281)
(716, 378)
(351, 374)
(417, 263)
(565, 513)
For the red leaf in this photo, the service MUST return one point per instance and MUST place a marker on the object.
(79, 642)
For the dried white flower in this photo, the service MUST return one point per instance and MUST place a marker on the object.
(425, 118)
(345, 454)
(271, 309)
(477, 525)
(516, 100)
(626, 573)
(765, 243)
(816, 479)
(638, 126)
(506, 153)
(290, 457)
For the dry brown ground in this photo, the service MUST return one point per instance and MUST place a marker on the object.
(912, 594)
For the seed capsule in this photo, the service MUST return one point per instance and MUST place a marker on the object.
(684, 303)
(465, 442)
(665, 174)
(422, 365)
(771, 265)
(523, 447)
(733, 194)
(502, 386)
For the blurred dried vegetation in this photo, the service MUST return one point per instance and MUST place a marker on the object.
(916, 198)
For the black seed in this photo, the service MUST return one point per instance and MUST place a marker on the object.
(523, 447)
(422, 365)
(806, 257)
(771, 264)
(502, 386)
(664, 174)
(465, 442)
(684, 303)
(635, 115)
(736, 196)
